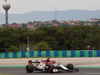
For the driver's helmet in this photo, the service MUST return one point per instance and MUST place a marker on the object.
(48, 59)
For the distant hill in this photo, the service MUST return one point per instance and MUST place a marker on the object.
(50, 15)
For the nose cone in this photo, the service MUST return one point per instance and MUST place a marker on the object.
(6, 5)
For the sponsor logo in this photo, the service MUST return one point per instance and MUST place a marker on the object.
(54, 70)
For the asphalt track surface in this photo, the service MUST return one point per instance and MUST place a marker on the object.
(21, 71)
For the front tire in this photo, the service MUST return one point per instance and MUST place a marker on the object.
(29, 68)
(70, 67)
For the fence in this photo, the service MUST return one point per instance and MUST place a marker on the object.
(31, 48)
(67, 53)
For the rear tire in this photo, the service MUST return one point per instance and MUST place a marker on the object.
(29, 68)
(70, 67)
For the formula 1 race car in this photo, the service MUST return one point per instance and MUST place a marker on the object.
(48, 66)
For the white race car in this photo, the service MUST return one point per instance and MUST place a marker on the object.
(48, 66)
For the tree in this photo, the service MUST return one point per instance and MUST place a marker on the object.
(43, 46)
(12, 48)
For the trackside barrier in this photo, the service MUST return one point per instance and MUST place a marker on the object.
(67, 53)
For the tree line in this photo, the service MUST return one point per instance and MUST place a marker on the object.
(51, 38)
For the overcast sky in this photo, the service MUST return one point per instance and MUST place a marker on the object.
(24, 6)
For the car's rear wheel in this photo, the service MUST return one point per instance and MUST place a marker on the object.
(70, 67)
(29, 68)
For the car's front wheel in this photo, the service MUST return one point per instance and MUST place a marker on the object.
(70, 67)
